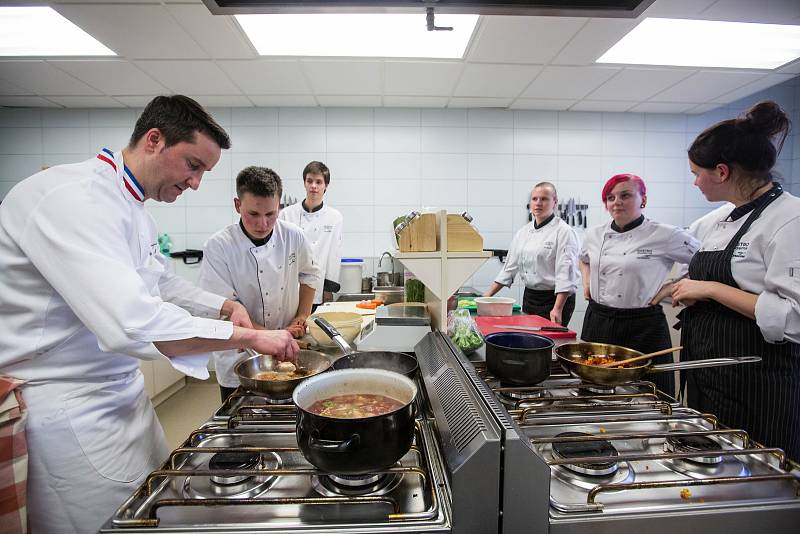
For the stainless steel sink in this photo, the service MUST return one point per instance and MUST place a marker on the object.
(354, 297)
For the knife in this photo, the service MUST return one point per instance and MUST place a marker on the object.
(534, 328)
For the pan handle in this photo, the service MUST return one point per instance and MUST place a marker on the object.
(698, 364)
(327, 445)
(334, 334)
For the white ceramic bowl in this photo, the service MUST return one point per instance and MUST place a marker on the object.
(495, 306)
(347, 323)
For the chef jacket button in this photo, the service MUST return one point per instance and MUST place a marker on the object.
(620, 274)
(262, 272)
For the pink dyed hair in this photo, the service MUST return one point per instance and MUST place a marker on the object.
(619, 178)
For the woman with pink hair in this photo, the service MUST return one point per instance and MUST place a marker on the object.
(624, 264)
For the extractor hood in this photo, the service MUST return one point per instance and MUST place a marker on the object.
(563, 8)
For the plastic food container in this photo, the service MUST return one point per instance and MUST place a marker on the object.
(495, 306)
(347, 323)
(351, 274)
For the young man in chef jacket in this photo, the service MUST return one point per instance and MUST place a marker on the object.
(262, 262)
(322, 225)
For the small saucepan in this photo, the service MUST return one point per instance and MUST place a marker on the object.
(519, 358)
(573, 356)
(354, 446)
(252, 373)
(397, 362)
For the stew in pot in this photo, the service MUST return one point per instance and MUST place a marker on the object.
(355, 406)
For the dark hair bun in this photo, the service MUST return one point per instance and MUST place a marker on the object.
(766, 118)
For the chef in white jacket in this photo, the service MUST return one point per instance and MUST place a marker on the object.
(545, 254)
(85, 295)
(322, 225)
(262, 262)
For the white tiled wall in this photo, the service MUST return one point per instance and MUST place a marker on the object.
(387, 161)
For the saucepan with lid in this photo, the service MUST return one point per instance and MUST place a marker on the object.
(574, 356)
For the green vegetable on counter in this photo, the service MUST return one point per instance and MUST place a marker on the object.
(415, 290)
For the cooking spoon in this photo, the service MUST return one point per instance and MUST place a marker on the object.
(620, 363)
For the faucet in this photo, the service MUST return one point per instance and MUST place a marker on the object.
(390, 257)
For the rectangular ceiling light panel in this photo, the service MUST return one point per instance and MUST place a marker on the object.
(41, 31)
(707, 43)
(358, 35)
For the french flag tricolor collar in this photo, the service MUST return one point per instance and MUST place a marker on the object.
(131, 184)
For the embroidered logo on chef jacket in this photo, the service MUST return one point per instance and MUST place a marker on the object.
(292, 258)
(154, 248)
(741, 249)
(327, 228)
(548, 245)
(644, 253)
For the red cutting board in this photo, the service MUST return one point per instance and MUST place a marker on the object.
(488, 325)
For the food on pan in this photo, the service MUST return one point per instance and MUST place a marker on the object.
(685, 494)
(355, 406)
(282, 372)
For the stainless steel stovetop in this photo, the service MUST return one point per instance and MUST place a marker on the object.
(243, 472)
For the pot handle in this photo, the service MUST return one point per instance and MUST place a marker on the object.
(698, 364)
(334, 334)
(328, 445)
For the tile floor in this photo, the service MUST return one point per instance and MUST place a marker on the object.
(187, 409)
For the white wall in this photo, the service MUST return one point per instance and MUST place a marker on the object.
(387, 161)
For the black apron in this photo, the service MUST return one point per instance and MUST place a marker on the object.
(642, 329)
(541, 301)
(761, 398)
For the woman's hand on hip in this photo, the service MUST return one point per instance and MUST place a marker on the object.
(687, 291)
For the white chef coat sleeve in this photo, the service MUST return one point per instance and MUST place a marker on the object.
(583, 255)
(215, 273)
(84, 254)
(681, 246)
(309, 272)
(567, 273)
(188, 296)
(778, 306)
(334, 260)
(511, 267)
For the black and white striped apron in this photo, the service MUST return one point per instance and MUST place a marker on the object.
(642, 329)
(541, 301)
(761, 398)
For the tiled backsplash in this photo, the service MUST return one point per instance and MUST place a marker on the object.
(387, 161)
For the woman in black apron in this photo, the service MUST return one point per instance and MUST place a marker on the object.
(624, 265)
(722, 318)
(545, 254)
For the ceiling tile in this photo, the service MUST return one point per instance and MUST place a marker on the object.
(420, 78)
(86, 101)
(602, 105)
(190, 77)
(220, 37)
(568, 82)
(223, 101)
(637, 84)
(593, 40)
(283, 100)
(774, 11)
(415, 101)
(486, 80)
(677, 8)
(113, 77)
(265, 77)
(663, 107)
(702, 108)
(473, 102)
(26, 102)
(373, 101)
(43, 79)
(141, 31)
(746, 90)
(791, 68)
(8, 88)
(706, 85)
(344, 77)
(134, 101)
(542, 104)
(534, 40)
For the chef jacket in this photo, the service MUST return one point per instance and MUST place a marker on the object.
(546, 258)
(323, 229)
(265, 279)
(627, 269)
(766, 261)
(83, 286)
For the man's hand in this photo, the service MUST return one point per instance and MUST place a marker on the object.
(236, 313)
(297, 326)
(278, 343)
(327, 296)
(586, 293)
(555, 316)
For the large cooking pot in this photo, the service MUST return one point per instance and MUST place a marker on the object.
(572, 357)
(309, 363)
(519, 358)
(355, 446)
(397, 362)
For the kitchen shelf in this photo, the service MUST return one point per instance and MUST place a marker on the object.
(442, 272)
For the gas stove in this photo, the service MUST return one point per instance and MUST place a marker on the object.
(243, 472)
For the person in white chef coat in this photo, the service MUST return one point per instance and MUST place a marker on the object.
(544, 253)
(322, 225)
(85, 295)
(261, 261)
(743, 289)
(624, 264)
